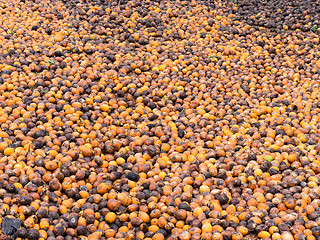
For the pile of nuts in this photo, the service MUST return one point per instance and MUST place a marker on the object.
(159, 120)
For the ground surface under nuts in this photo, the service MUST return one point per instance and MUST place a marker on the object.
(159, 119)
